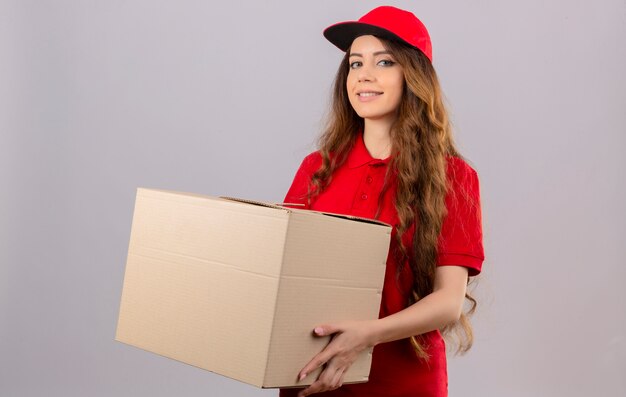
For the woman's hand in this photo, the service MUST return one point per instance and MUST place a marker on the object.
(441, 307)
(349, 339)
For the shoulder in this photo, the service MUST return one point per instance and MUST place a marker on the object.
(457, 167)
(313, 160)
(311, 163)
(463, 183)
(461, 176)
(299, 190)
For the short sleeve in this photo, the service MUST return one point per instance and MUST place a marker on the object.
(299, 189)
(461, 239)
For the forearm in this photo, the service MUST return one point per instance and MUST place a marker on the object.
(434, 311)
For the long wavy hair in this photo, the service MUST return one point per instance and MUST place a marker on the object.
(421, 142)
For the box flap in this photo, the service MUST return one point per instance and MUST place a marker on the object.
(254, 202)
(283, 207)
(355, 218)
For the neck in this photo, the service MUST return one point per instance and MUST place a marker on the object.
(377, 138)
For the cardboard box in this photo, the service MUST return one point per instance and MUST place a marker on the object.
(236, 288)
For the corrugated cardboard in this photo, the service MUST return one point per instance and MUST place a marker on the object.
(236, 288)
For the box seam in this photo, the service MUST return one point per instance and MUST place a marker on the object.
(278, 286)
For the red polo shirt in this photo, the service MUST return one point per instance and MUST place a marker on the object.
(357, 189)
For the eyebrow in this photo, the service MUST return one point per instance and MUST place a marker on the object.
(356, 54)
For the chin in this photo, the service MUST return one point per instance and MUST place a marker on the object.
(372, 115)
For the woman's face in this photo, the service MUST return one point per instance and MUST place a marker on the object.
(375, 81)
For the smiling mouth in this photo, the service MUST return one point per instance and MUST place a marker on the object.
(369, 94)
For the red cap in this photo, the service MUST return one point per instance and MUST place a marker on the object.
(386, 22)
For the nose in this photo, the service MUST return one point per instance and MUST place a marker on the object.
(365, 73)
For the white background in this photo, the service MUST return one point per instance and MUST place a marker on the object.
(100, 97)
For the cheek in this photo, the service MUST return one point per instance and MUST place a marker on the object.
(398, 89)
(349, 84)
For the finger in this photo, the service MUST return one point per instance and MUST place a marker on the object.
(315, 387)
(327, 329)
(337, 380)
(332, 376)
(323, 382)
(320, 359)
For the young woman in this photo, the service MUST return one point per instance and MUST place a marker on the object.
(388, 154)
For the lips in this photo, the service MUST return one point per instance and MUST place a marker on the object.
(366, 94)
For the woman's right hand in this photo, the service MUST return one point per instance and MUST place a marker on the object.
(348, 341)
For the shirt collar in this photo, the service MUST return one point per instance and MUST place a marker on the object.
(359, 155)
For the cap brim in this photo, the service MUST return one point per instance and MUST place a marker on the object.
(343, 34)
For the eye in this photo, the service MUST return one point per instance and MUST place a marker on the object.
(386, 62)
(355, 64)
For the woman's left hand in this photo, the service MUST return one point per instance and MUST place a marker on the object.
(349, 339)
